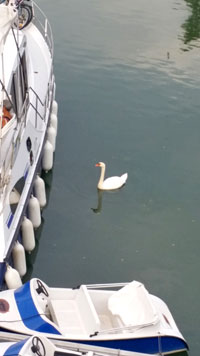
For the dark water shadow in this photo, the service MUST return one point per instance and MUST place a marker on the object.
(48, 179)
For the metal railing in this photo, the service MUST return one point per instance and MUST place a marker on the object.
(42, 23)
(35, 106)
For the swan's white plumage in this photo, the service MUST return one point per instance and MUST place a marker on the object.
(112, 182)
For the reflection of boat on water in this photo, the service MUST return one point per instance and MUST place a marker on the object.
(127, 319)
(28, 125)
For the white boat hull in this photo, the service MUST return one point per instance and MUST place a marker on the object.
(28, 86)
(70, 315)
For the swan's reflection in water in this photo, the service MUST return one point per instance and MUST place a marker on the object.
(97, 210)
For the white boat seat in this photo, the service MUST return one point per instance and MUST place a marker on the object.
(66, 316)
(75, 316)
(132, 305)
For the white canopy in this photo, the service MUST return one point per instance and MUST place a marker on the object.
(7, 16)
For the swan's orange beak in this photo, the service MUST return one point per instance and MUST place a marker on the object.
(97, 165)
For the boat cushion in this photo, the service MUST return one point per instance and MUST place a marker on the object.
(87, 310)
(75, 316)
(65, 315)
(132, 304)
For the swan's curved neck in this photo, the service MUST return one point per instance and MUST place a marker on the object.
(102, 175)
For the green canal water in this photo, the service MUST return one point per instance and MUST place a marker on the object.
(128, 90)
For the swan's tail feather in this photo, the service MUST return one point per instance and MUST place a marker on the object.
(124, 177)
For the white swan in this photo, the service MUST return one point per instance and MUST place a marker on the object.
(112, 182)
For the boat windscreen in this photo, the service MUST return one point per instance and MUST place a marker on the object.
(60, 353)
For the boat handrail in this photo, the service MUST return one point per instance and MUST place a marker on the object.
(44, 26)
(36, 112)
(128, 328)
(35, 107)
(37, 96)
(27, 102)
(107, 285)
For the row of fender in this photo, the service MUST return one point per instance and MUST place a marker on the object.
(36, 202)
(50, 144)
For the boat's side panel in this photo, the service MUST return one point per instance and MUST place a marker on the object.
(29, 314)
(15, 348)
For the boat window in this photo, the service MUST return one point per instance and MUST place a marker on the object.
(18, 91)
(13, 94)
(24, 75)
(19, 86)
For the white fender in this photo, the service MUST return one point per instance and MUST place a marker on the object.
(54, 86)
(28, 236)
(40, 191)
(12, 278)
(54, 122)
(14, 196)
(34, 213)
(47, 159)
(51, 136)
(54, 107)
(19, 258)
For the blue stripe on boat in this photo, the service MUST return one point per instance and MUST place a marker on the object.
(150, 345)
(9, 220)
(15, 349)
(29, 313)
(26, 172)
(2, 273)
